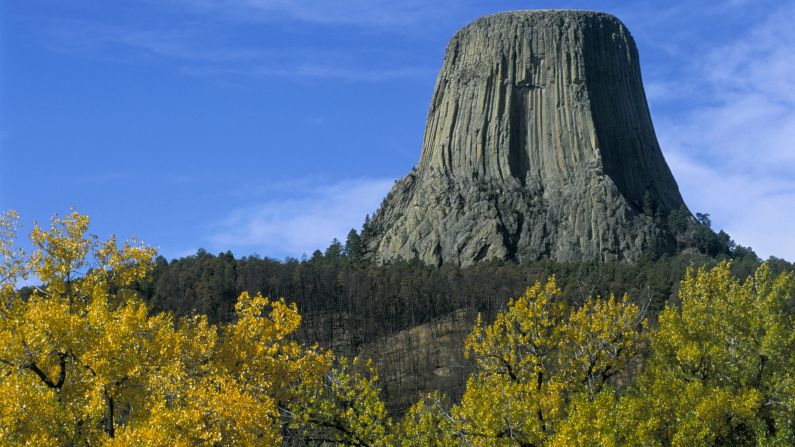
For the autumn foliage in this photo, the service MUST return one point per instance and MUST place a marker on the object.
(85, 362)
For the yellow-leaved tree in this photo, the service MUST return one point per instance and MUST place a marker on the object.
(719, 370)
(84, 362)
(345, 410)
(538, 366)
(722, 366)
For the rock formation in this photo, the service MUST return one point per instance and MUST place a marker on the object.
(539, 144)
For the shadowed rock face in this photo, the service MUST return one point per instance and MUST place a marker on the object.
(539, 144)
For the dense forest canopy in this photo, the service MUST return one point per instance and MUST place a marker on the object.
(388, 298)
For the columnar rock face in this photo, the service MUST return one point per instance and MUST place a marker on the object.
(539, 144)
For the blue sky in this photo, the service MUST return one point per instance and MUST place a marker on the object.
(272, 126)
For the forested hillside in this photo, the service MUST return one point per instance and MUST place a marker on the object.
(416, 313)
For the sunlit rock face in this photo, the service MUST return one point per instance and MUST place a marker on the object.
(538, 144)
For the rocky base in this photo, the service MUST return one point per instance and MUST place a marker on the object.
(440, 219)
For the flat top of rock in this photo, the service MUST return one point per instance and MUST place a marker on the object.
(548, 12)
(540, 15)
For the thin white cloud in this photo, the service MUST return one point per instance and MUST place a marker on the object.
(199, 53)
(178, 44)
(734, 153)
(184, 44)
(314, 71)
(375, 14)
(302, 224)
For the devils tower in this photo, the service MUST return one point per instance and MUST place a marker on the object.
(538, 144)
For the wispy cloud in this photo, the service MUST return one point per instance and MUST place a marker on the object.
(314, 71)
(198, 52)
(374, 14)
(733, 152)
(301, 224)
(185, 44)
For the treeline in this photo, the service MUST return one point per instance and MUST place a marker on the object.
(372, 301)
(342, 281)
